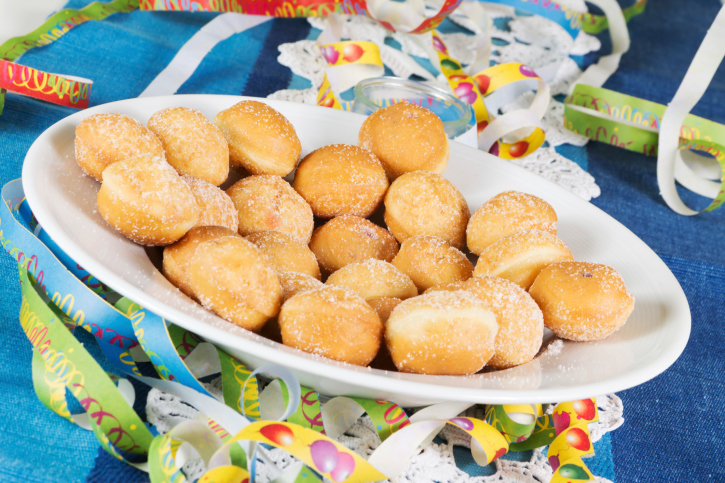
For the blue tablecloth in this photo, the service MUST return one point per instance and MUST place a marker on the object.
(674, 429)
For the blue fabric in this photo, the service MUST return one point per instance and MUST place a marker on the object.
(673, 429)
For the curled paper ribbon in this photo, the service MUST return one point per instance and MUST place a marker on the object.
(63, 90)
(62, 365)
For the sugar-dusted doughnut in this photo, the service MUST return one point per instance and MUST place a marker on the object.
(176, 256)
(341, 180)
(505, 214)
(216, 208)
(268, 203)
(193, 145)
(444, 332)
(384, 306)
(405, 137)
(446, 287)
(582, 301)
(285, 253)
(521, 256)
(232, 278)
(430, 261)
(422, 203)
(104, 139)
(351, 239)
(374, 278)
(333, 322)
(261, 140)
(520, 322)
(295, 282)
(146, 201)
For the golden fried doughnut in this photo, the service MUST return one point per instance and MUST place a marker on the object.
(405, 137)
(215, 206)
(505, 214)
(285, 253)
(373, 279)
(582, 301)
(146, 201)
(521, 256)
(268, 203)
(295, 282)
(520, 322)
(441, 333)
(446, 287)
(176, 256)
(384, 306)
(232, 278)
(422, 203)
(429, 261)
(341, 180)
(351, 239)
(333, 322)
(260, 139)
(193, 145)
(104, 139)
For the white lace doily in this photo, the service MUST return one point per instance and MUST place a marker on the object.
(435, 464)
(531, 40)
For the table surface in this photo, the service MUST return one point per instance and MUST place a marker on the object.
(673, 427)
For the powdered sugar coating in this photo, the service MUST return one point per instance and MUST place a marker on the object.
(341, 180)
(193, 145)
(146, 201)
(231, 277)
(441, 333)
(216, 208)
(260, 139)
(285, 253)
(423, 203)
(430, 261)
(333, 322)
(521, 256)
(295, 282)
(350, 239)
(406, 137)
(582, 301)
(508, 213)
(104, 139)
(520, 321)
(268, 203)
(374, 279)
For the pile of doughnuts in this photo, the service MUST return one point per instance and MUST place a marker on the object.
(257, 253)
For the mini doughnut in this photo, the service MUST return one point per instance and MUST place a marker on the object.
(285, 253)
(295, 282)
(104, 139)
(193, 145)
(422, 203)
(505, 214)
(448, 333)
(373, 279)
(176, 256)
(405, 137)
(582, 301)
(384, 306)
(521, 256)
(429, 261)
(268, 203)
(215, 206)
(333, 322)
(341, 180)
(146, 201)
(520, 322)
(351, 239)
(446, 287)
(233, 279)
(261, 140)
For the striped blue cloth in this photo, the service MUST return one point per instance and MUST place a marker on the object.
(674, 427)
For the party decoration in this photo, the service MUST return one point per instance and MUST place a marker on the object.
(66, 91)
